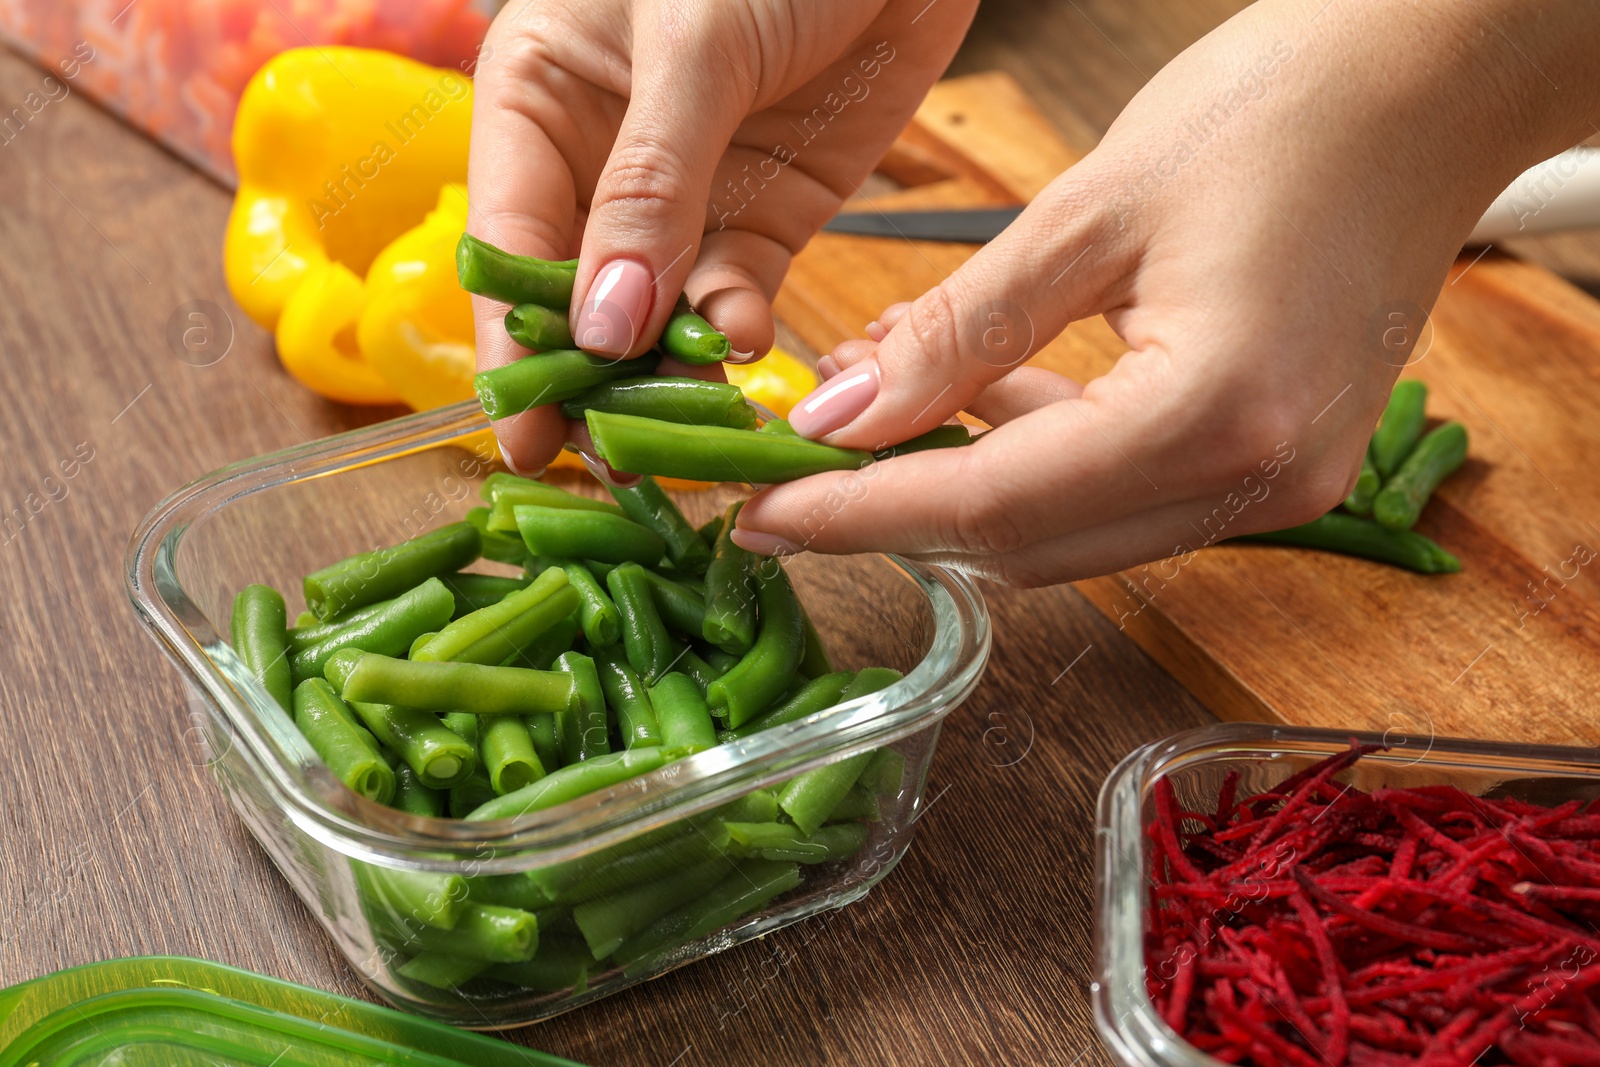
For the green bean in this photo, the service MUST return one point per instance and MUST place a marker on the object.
(681, 710)
(389, 632)
(1399, 427)
(720, 661)
(563, 785)
(549, 378)
(783, 841)
(660, 396)
(760, 678)
(681, 608)
(305, 634)
(508, 754)
(484, 932)
(608, 921)
(544, 649)
(1436, 456)
(626, 694)
(809, 798)
(431, 750)
(461, 724)
(498, 545)
(710, 529)
(712, 453)
(557, 880)
(886, 773)
(869, 680)
(688, 338)
(474, 591)
(305, 618)
(649, 646)
(471, 793)
(558, 968)
(538, 327)
(816, 695)
(518, 490)
(429, 898)
(582, 731)
(1359, 502)
(750, 887)
(779, 426)
(814, 661)
(514, 890)
(649, 506)
(542, 731)
(387, 572)
(951, 436)
(471, 687)
(601, 571)
(730, 615)
(344, 745)
(483, 269)
(261, 638)
(702, 840)
(858, 804)
(601, 624)
(441, 971)
(1359, 537)
(414, 798)
(587, 535)
(687, 661)
(492, 634)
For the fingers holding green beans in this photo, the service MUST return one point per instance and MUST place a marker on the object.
(688, 338)
(483, 269)
(1435, 457)
(260, 630)
(550, 378)
(686, 400)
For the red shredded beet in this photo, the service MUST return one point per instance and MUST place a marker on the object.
(1316, 925)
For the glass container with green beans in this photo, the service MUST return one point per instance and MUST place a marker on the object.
(509, 782)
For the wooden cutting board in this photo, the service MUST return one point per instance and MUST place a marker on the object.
(1509, 649)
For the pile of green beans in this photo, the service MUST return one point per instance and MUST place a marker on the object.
(631, 639)
(1401, 469)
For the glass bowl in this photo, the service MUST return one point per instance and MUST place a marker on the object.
(1197, 762)
(276, 518)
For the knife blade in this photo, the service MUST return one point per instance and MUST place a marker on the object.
(960, 225)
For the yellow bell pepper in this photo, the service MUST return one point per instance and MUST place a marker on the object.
(317, 338)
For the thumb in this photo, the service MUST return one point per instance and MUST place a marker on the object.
(1064, 258)
(648, 212)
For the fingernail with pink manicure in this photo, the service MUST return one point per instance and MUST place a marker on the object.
(827, 367)
(764, 544)
(610, 317)
(876, 331)
(836, 401)
(505, 457)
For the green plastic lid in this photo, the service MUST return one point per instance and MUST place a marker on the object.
(167, 1011)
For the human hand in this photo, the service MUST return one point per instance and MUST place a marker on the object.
(1251, 226)
(689, 146)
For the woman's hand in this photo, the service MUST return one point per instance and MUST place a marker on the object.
(681, 146)
(1263, 225)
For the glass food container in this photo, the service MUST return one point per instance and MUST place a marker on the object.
(1197, 762)
(367, 871)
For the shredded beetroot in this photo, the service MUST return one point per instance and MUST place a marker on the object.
(1315, 925)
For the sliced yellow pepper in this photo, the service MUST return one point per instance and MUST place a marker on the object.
(777, 382)
(317, 338)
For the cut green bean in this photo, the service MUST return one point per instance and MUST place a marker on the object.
(471, 687)
(568, 534)
(762, 675)
(387, 572)
(541, 654)
(658, 396)
(261, 638)
(681, 711)
(550, 378)
(474, 591)
(951, 436)
(1353, 536)
(690, 339)
(568, 783)
(869, 680)
(414, 798)
(886, 773)
(498, 545)
(542, 731)
(600, 570)
(1368, 482)
(1399, 428)
(483, 269)
(814, 661)
(602, 625)
(312, 632)
(645, 639)
(432, 751)
(686, 660)
(720, 661)
(441, 971)
(702, 841)
(345, 746)
(710, 529)
(730, 614)
(509, 758)
(681, 608)
(562, 967)
(389, 632)
(779, 426)
(1402, 498)
(649, 506)
(516, 489)
(608, 921)
(750, 887)
(538, 327)
(305, 618)
(860, 804)
(514, 890)
(484, 932)
(816, 695)
(582, 728)
(784, 841)
(492, 634)
(808, 799)
(712, 453)
(427, 898)
(461, 724)
(626, 694)
(471, 793)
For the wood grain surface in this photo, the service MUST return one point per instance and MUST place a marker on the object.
(113, 839)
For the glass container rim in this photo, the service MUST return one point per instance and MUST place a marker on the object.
(302, 788)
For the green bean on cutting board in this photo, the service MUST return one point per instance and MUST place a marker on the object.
(1368, 482)
(1435, 457)
(1353, 536)
(1399, 428)
(473, 696)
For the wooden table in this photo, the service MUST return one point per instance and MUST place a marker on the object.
(113, 839)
